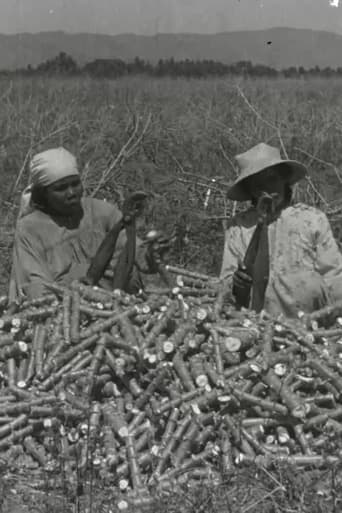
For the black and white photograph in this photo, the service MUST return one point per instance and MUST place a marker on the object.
(170, 256)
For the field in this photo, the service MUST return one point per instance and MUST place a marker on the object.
(171, 137)
(166, 136)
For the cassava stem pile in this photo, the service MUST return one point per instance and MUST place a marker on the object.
(172, 384)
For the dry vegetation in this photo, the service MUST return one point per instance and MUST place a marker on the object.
(170, 137)
(164, 136)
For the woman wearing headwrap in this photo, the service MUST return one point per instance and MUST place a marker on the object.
(58, 230)
(283, 259)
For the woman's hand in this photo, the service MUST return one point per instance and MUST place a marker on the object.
(152, 251)
(157, 245)
(133, 206)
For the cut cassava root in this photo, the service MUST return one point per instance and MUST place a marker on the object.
(161, 388)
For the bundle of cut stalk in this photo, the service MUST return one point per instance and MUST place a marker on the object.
(153, 389)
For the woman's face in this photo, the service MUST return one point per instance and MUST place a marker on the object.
(64, 196)
(270, 181)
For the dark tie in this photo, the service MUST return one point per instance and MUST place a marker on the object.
(257, 265)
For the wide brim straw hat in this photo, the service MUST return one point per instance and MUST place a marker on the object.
(259, 159)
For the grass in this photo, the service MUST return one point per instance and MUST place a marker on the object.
(285, 489)
(191, 127)
(176, 134)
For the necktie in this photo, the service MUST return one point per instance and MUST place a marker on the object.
(260, 268)
(256, 262)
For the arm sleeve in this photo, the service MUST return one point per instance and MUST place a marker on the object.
(329, 258)
(233, 253)
(29, 274)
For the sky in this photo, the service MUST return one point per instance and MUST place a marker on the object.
(160, 16)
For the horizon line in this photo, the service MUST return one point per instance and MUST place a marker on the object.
(190, 33)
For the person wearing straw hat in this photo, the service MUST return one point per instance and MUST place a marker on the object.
(59, 230)
(278, 256)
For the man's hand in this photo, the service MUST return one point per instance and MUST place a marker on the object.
(241, 279)
(242, 283)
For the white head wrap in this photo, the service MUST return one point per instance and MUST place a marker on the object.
(47, 168)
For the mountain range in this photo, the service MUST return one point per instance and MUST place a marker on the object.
(275, 47)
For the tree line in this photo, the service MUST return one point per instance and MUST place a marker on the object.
(65, 65)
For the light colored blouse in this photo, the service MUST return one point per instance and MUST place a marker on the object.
(305, 261)
(46, 251)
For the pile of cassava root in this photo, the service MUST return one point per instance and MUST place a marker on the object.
(166, 387)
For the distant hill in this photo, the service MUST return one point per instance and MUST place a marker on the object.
(276, 47)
